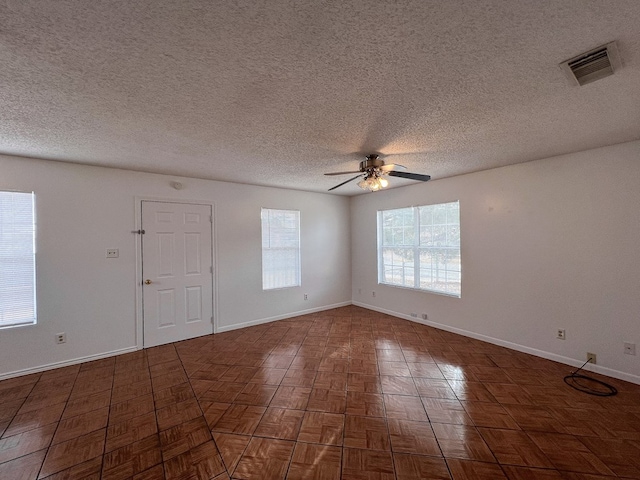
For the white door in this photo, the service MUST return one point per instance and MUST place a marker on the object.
(177, 265)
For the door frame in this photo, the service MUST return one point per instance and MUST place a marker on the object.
(138, 199)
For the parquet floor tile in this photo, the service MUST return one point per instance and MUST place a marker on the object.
(417, 438)
(367, 465)
(370, 433)
(472, 470)
(231, 448)
(330, 401)
(132, 459)
(462, 441)
(26, 442)
(89, 470)
(417, 467)
(264, 459)
(342, 394)
(281, 423)
(183, 437)
(25, 467)
(72, 452)
(513, 447)
(315, 462)
(321, 427)
(24, 422)
(240, 419)
(365, 404)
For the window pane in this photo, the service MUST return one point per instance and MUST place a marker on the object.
(280, 248)
(17, 259)
(427, 248)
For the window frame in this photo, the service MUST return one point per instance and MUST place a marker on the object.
(411, 230)
(32, 265)
(296, 250)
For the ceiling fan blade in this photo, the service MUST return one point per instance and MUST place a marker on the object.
(392, 166)
(342, 173)
(350, 180)
(411, 176)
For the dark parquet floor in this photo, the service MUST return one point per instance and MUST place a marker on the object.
(342, 394)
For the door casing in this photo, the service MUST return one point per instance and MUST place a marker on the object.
(138, 249)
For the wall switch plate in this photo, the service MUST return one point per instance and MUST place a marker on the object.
(629, 348)
(113, 253)
(561, 334)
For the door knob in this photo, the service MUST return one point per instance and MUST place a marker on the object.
(148, 282)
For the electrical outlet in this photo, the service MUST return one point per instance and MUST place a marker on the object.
(591, 358)
(61, 338)
(373, 294)
(414, 315)
(425, 316)
(113, 253)
(560, 334)
(359, 291)
(306, 296)
(629, 348)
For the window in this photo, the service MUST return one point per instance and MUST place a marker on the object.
(17, 259)
(419, 247)
(280, 248)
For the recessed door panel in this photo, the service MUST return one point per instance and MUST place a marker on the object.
(193, 304)
(191, 218)
(166, 252)
(192, 256)
(166, 308)
(164, 217)
(177, 266)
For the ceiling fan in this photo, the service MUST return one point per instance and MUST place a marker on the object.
(373, 169)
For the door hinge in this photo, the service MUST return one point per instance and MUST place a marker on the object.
(211, 320)
(210, 269)
(210, 218)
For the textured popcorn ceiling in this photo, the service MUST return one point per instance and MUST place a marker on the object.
(279, 92)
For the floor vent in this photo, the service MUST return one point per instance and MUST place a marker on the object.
(592, 65)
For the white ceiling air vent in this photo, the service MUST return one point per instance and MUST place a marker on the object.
(592, 65)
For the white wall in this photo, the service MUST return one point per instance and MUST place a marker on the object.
(547, 244)
(82, 211)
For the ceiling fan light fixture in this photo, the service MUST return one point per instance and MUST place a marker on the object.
(373, 183)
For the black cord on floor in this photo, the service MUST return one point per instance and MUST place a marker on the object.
(592, 387)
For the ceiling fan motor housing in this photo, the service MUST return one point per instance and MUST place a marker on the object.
(372, 162)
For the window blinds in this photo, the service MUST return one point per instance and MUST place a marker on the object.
(17, 259)
(280, 248)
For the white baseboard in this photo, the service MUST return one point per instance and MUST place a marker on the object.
(260, 321)
(628, 377)
(66, 363)
(74, 361)
(496, 341)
